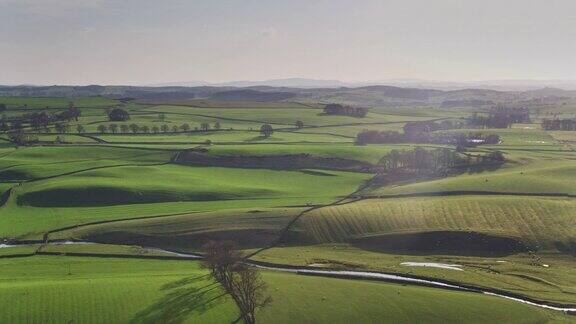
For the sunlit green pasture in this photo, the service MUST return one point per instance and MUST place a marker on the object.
(53, 289)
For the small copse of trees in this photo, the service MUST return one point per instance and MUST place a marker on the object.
(500, 117)
(118, 114)
(266, 130)
(338, 109)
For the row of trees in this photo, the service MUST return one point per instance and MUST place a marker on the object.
(393, 137)
(568, 124)
(164, 128)
(337, 109)
(420, 160)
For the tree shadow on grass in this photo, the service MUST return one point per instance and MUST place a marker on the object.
(259, 139)
(184, 298)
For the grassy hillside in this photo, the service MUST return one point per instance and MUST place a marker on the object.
(53, 290)
(540, 222)
(123, 192)
(525, 172)
(29, 163)
(165, 183)
(248, 228)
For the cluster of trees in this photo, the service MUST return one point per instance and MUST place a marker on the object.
(423, 161)
(412, 128)
(337, 109)
(241, 282)
(39, 121)
(567, 124)
(19, 137)
(393, 137)
(266, 130)
(500, 117)
(118, 114)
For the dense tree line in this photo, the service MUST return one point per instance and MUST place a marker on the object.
(568, 124)
(500, 117)
(420, 160)
(393, 137)
(337, 109)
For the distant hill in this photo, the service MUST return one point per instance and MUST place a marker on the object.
(499, 85)
(252, 95)
(287, 83)
(368, 96)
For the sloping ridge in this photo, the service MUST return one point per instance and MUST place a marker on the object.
(283, 162)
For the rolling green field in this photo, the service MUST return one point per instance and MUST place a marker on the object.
(525, 172)
(510, 226)
(542, 222)
(122, 192)
(56, 289)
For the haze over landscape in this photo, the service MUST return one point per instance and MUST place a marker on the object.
(287, 161)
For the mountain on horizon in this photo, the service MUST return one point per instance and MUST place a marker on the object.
(307, 83)
(285, 83)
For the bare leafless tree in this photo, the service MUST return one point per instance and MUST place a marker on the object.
(243, 283)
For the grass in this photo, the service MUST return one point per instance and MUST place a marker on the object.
(223, 136)
(144, 200)
(542, 222)
(525, 172)
(520, 135)
(166, 183)
(516, 273)
(248, 228)
(56, 102)
(567, 136)
(367, 153)
(286, 117)
(30, 163)
(52, 289)
(122, 192)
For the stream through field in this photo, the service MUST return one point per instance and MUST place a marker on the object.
(350, 274)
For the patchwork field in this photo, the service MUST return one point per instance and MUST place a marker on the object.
(509, 226)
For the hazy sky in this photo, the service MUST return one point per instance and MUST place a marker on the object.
(152, 41)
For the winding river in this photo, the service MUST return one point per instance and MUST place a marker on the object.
(351, 274)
